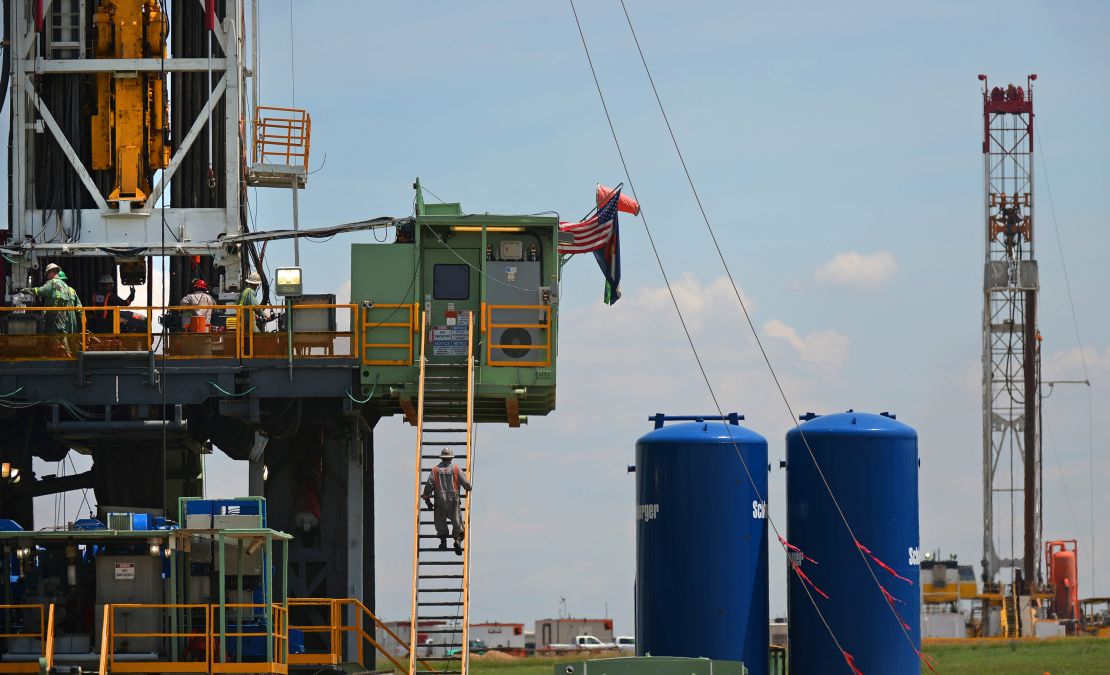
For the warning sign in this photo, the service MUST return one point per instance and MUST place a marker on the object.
(125, 571)
(450, 340)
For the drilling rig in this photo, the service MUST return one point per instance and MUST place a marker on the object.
(118, 107)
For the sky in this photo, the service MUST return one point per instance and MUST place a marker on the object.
(837, 152)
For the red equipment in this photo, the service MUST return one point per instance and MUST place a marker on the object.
(1063, 574)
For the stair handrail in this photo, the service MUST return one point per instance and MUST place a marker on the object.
(48, 650)
(104, 639)
(416, 495)
(464, 648)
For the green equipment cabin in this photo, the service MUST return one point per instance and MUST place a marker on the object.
(447, 268)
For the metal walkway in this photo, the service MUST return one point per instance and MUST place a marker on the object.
(440, 577)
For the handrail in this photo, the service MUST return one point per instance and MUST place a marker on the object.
(105, 641)
(209, 342)
(41, 635)
(339, 625)
(544, 325)
(368, 325)
(291, 133)
(464, 649)
(416, 494)
(48, 650)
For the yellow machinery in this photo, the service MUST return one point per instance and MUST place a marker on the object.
(128, 128)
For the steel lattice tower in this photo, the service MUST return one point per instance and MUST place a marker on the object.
(1011, 341)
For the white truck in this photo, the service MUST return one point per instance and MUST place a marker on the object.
(584, 642)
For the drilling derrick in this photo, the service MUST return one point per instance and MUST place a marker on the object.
(1011, 344)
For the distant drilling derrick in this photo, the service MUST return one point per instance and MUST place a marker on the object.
(1011, 341)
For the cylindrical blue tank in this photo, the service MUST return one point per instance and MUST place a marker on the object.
(701, 541)
(870, 463)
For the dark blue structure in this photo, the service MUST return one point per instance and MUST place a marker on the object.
(701, 542)
(870, 462)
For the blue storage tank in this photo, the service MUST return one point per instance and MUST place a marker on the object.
(870, 463)
(701, 541)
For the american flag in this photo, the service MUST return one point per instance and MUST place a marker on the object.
(593, 233)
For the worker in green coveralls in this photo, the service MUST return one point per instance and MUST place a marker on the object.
(249, 298)
(57, 293)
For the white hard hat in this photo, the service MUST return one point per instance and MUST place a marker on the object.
(446, 453)
(107, 279)
(51, 267)
(253, 279)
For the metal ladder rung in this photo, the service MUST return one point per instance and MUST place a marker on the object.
(444, 431)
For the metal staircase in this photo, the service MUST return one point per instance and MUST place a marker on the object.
(1011, 627)
(440, 578)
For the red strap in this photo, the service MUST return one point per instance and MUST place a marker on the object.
(851, 661)
(792, 547)
(456, 466)
(802, 575)
(882, 564)
(926, 659)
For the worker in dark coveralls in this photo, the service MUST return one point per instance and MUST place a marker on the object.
(443, 485)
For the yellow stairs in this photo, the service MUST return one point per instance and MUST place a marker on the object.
(441, 578)
(1011, 628)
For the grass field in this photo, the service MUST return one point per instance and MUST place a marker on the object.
(1071, 656)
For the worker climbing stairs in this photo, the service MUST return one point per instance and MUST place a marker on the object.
(439, 632)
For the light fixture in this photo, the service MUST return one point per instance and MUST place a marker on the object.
(265, 472)
(5, 470)
(479, 228)
(288, 281)
(15, 474)
(155, 549)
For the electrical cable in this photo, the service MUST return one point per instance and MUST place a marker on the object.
(228, 393)
(748, 319)
(1082, 356)
(368, 396)
(682, 321)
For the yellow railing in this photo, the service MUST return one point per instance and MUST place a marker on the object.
(44, 635)
(27, 332)
(346, 615)
(191, 661)
(499, 353)
(282, 136)
(388, 321)
(279, 650)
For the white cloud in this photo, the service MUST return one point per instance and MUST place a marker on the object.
(857, 270)
(825, 347)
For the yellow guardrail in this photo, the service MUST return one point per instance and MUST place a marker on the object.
(495, 323)
(44, 635)
(347, 615)
(198, 332)
(196, 640)
(388, 330)
(282, 136)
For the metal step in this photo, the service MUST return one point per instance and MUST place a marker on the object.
(441, 630)
(438, 604)
(438, 590)
(439, 550)
(438, 457)
(439, 576)
(442, 443)
(441, 562)
(444, 431)
(442, 617)
(441, 672)
(441, 658)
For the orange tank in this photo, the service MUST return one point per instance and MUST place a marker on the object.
(1063, 574)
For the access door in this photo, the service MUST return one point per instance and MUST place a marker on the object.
(451, 283)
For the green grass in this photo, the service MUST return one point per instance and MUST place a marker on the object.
(1071, 656)
(1068, 656)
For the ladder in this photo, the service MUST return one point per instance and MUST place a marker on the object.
(1010, 626)
(440, 578)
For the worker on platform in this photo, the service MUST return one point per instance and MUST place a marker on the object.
(100, 321)
(443, 485)
(57, 293)
(249, 298)
(200, 298)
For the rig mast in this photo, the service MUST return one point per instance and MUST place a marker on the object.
(1011, 341)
